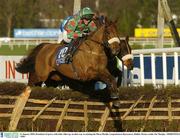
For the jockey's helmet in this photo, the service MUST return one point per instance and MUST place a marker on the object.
(86, 13)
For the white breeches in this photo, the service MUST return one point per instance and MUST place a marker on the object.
(63, 36)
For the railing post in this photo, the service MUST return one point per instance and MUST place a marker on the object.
(176, 71)
(153, 69)
(160, 30)
(164, 65)
(125, 76)
(142, 69)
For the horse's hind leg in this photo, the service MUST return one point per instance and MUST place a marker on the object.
(54, 80)
(106, 77)
(42, 68)
(33, 80)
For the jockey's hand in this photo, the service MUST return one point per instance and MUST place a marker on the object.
(85, 34)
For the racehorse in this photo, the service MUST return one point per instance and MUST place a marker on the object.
(83, 86)
(86, 86)
(89, 62)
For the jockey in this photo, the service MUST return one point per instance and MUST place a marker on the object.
(78, 25)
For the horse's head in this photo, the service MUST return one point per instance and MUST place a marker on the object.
(111, 37)
(119, 48)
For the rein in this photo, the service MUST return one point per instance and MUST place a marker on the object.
(105, 43)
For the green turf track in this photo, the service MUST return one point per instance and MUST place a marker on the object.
(16, 50)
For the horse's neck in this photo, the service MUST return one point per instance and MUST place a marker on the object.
(98, 35)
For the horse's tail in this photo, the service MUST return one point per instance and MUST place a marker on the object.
(27, 64)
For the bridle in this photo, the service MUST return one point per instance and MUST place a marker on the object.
(117, 39)
(108, 41)
(126, 56)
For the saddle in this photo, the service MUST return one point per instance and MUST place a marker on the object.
(66, 52)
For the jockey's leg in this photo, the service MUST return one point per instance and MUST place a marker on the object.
(69, 42)
(60, 37)
(65, 38)
(68, 56)
(73, 46)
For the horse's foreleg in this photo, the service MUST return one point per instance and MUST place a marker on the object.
(106, 77)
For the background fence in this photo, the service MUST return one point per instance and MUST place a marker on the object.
(155, 66)
(135, 42)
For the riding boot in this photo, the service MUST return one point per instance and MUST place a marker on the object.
(71, 50)
(68, 56)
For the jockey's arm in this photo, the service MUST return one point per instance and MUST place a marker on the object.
(92, 26)
(72, 33)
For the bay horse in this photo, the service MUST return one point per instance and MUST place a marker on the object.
(54, 80)
(86, 86)
(89, 62)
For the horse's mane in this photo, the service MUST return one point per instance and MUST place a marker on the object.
(99, 22)
(103, 20)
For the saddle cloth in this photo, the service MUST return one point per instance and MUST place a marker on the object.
(61, 54)
(65, 49)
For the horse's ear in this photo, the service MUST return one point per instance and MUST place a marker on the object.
(127, 38)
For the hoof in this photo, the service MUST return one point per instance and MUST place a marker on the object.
(116, 104)
(114, 96)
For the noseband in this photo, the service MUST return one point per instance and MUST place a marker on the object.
(113, 40)
(127, 56)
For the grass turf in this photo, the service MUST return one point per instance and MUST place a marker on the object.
(15, 50)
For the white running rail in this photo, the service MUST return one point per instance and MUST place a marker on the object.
(11, 42)
(164, 52)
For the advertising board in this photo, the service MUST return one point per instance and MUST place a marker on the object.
(8, 72)
(151, 32)
(36, 33)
